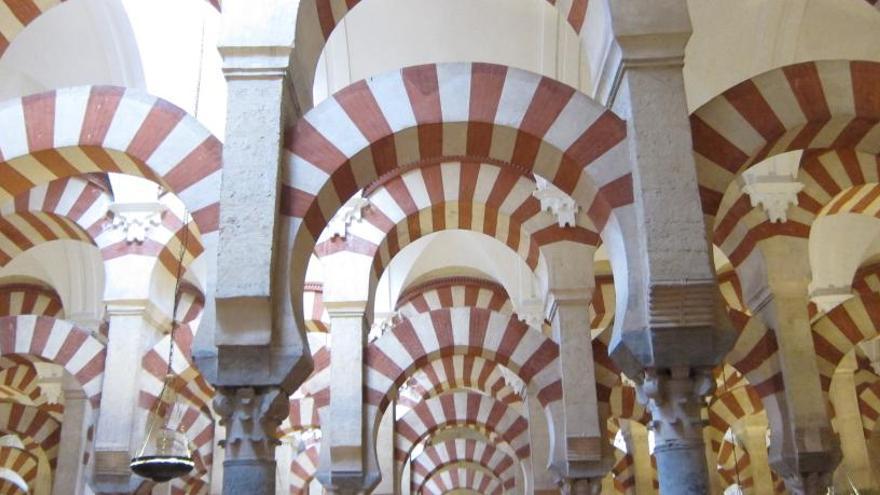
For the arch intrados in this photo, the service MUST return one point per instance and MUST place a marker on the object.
(452, 451)
(467, 464)
(24, 462)
(29, 295)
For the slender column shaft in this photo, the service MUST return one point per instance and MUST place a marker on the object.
(754, 435)
(69, 471)
(848, 421)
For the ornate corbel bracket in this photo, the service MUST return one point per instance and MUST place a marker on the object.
(553, 200)
(136, 219)
(352, 211)
(774, 192)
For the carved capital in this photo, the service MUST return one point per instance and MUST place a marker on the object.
(580, 486)
(352, 211)
(774, 192)
(675, 398)
(251, 417)
(531, 312)
(552, 199)
(136, 220)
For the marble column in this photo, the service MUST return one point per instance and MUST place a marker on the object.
(752, 432)
(72, 444)
(848, 422)
(251, 416)
(119, 433)
(636, 438)
(675, 399)
(542, 481)
(342, 467)
(803, 448)
(385, 453)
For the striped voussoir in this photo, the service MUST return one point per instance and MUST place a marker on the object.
(407, 204)
(315, 314)
(22, 231)
(453, 292)
(624, 405)
(602, 303)
(59, 342)
(782, 110)
(734, 465)
(731, 289)
(432, 114)
(188, 382)
(624, 472)
(726, 408)
(303, 414)
(756, 354)
(867, 386)
(303, 468)
(464, 476)
(15, 15)
(456, 372)
(316, 20)
(87, 129)
(313, 395)
(440, 455)
(497, 337)
(35, 427)
(198, 426)
(86, 204)
(867, 279)
(30, 299)
(462, 408)
(21, 384)
(20, 462)
(838, 331)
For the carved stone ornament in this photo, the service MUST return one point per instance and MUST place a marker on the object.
(556, 202)
(352, 211)
(531, 312)
(136, 219)
(251, 417)
(513, 381)
(774, 192)
(675, 398)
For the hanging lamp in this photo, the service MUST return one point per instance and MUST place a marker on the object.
(165, 453)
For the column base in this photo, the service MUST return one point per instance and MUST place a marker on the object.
(250, 476)
(682, 470)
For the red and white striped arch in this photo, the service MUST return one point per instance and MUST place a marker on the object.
(837, 332)
(602, 303)
(409, 203)
(458, 372)
(607, 372)
(30, 299)
(453, 292)
(17, 14)
(726, 408)
(22, 231)
(439, 455)
(189, 383)
(34, 425)
(303, 469)
(624, 472)
(20, 384)
(60, 342)
(756, 354)
(430, 114)
(497, 337)
(734, 465)
(811, 105)
(459, 409)
(467, 476)
(74, 131)
(21, 462)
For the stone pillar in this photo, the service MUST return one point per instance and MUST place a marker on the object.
(675, 399)
(251, 416)
(343, 463)
(283, 457)
(848, 422)
(71, 446)
(256, 353)
(385, 452)
(672, 327)
(803, 448)
(752, 432)
(636, 437)
(119, 434)
(542, 480)
(585, 454)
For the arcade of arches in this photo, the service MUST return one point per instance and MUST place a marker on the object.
(442, 246)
